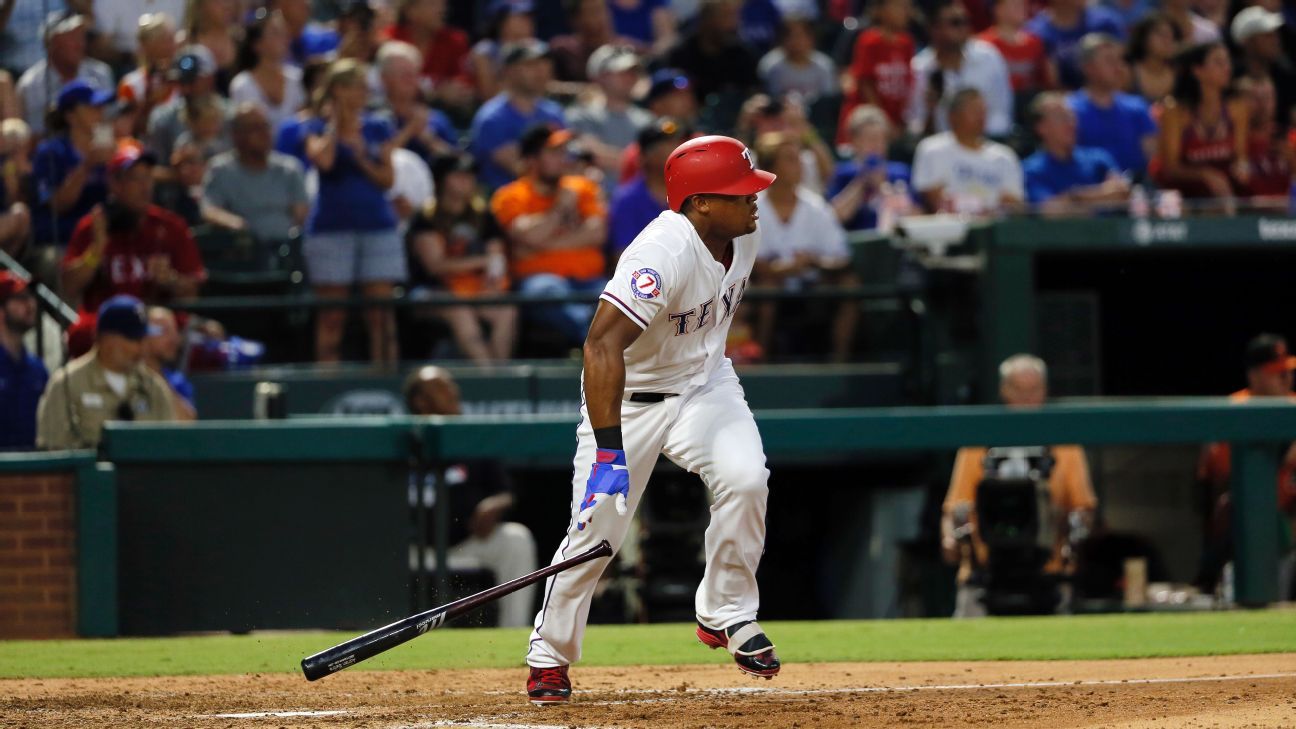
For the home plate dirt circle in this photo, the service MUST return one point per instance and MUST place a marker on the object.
(1232, 691)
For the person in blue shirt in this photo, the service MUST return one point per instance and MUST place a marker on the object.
(857, 183)
(499, 122)
(351, 235)
(1107, 117)
(421, 129)
(22, 375)
(650, 22)
(68, 170)
(310, 41)
(1061, 178)
(1063, 24)
(162, 348)
(637, 202)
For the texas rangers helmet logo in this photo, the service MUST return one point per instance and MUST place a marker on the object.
(747, 156)
(646, 283)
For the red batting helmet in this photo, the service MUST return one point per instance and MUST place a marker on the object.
(714, 164)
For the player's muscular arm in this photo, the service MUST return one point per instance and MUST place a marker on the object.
(610, 334)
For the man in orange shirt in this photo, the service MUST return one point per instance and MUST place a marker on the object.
(1269, 374)
(557, 225)
(1023, 383)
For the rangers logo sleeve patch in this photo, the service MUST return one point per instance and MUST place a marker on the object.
(646, 283)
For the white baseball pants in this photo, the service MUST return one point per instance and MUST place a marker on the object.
(707, 430)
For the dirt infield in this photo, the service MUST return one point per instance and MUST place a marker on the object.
(1236, 691)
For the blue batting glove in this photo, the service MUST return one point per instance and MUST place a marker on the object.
(608, 476)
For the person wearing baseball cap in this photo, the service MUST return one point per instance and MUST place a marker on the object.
(637, 202)
(193, 73)
(110, 382)
(68, 167)
(65, 60)
(608, 122)
(1255, 32)
(22, 374)
(1269, 366)
(129, 245)
(500, 122)
(557, 223)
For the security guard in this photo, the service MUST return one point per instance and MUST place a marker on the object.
(110, 382)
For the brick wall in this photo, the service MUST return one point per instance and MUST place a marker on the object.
(37, 555)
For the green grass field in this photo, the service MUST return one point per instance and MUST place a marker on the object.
(1043, 638)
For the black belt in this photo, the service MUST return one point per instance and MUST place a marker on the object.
(650, 396)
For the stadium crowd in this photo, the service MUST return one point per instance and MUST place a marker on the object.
(516, 145)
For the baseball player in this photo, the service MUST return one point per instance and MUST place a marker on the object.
(656, 380)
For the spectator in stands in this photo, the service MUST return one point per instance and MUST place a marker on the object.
(181, 191)
(254, 188)
(510, 23)
(357, 31)
(214, 25)
(1107, 117)
(638, 202)
(1255, 33)
(1029, 67)
(148, 85)
(204, 126)
(194, 73)
(1063, 24)
(65, 61)
(110, 382)
(425, 131)
(68, 170)
(1268, 149)
(1061, 178)
(501, 120)
(557, 224)
(480, 500)
(763, 115)
(351, 230)
(162, 348)
(1192, 28)
(795, 67)
(1202, 148)
(411, 187)
(861, 184)
(881, 71)
(716, 60)
(311, 42)
(129, 245)
(456, 245)
(1023, 383)
(1269, 367)
(118, 23)
(801, 242)
(954, 62)
(15, 182)
(444, 48)
(22, 37)
(670, 93)
(265, 76)
(962, 171)
(591, 25)
(22, 374)
(1152, 48)
(608, 123)
(650, 22)
(1131, 11)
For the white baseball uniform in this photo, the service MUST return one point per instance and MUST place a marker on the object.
(668, 282)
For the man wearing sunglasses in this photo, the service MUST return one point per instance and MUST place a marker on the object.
(110, 382)
(956, 61)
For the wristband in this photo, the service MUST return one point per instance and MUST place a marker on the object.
(609, 438)
(90, 260)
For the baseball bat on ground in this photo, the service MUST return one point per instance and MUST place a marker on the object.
(376, 641)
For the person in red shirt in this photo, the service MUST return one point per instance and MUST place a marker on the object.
(1029, 67)
(421, 23)
(879, 71)
(131, 246)
(1268, 149)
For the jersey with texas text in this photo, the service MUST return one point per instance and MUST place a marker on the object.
(669, 284)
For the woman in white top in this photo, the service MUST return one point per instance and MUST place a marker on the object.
(265, 77)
